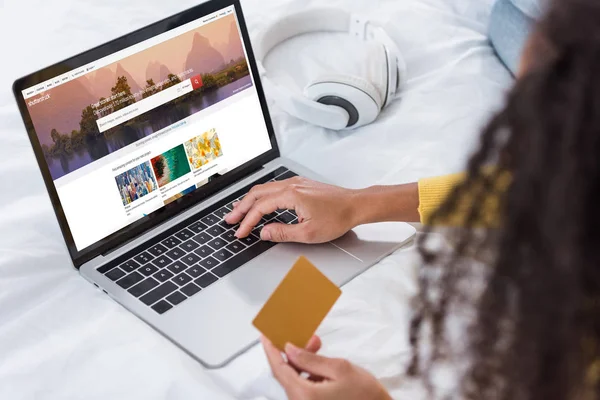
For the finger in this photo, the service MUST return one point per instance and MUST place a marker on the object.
(278, 232)
(243, 206)
(314, 344)
(264, 205)
(282, 371)
(314, 364)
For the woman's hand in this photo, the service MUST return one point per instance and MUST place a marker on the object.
(324, 212)
(330, 378)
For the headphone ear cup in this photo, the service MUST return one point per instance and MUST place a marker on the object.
(357, 96)
(377, 69)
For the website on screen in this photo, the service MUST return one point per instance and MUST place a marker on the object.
(127, 134)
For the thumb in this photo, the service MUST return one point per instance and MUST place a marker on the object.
(278, 232)
(312, 363)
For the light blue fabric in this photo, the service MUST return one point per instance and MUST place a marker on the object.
(531, 8)
(510, 24)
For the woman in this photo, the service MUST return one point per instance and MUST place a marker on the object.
(536, 334)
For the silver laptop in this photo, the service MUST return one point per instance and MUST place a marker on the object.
(144, 143)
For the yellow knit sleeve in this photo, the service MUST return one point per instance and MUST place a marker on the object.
(434, 191)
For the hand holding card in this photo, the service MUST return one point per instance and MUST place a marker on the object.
(297, 306)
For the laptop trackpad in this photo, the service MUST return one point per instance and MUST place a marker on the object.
(216, 324)
(256, 281)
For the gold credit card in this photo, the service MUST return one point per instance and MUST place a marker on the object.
(297, 306)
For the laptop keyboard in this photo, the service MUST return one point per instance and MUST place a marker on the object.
(164, 274)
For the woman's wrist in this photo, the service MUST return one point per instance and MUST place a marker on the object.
(385, 203)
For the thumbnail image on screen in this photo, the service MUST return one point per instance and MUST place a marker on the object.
(203, 149)
(170, 165)
(136, 183)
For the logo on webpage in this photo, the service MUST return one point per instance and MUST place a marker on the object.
(33, 102)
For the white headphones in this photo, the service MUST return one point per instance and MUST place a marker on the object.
(336, 101)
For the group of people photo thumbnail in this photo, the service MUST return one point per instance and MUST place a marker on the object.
(136, 183)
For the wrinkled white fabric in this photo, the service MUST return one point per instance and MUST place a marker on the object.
(60, 338)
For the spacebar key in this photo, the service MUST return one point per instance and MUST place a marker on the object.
(247, 255)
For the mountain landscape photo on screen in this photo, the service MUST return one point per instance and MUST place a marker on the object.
(66, 123)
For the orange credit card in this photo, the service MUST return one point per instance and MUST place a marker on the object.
(297, 306)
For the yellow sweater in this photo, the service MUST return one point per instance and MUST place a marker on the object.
(433, 192)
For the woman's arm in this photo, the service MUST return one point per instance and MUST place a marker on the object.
(326, 212)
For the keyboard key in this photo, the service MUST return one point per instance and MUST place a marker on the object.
(177, 267)
(294, 222)
(235, 247)
(171, 242)
(157, 249)
(143, 258)
(115, 274)
(268, 217)
(130, 280)
(202, 238)
(217, 243)
(143, 287)
(286, 175)
(242, 258)
(249, 240)
(215, 230)
(190, 289)
(149, 269)
(129, 266)
(209, 263)
(265, 221)
(195, 271)
(182, 279)
(105, 268)
(279, 171)
(222, 254)
(256, 231)
(204, 251)
(184, 234)
(210, 220)
(189, 245)
(163, 275)
(158, 293)
(222, 212)
(229, 236)
(286, 217)
(162, 261)
(227, 226)
(190, 259)
(162, 307)
(206, 280)
(197, 227)
(176, 298)
(175, 253)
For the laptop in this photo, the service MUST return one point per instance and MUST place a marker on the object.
(144, 143)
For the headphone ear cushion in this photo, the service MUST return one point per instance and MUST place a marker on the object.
(377, 69)
(349, 80)
(357, 96)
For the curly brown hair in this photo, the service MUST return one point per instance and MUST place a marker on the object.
(536, 330)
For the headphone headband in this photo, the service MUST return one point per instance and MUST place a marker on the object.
(319, 20)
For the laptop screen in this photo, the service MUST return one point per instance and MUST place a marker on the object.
(129, 133)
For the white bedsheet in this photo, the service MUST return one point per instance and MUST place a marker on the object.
(62, 339)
